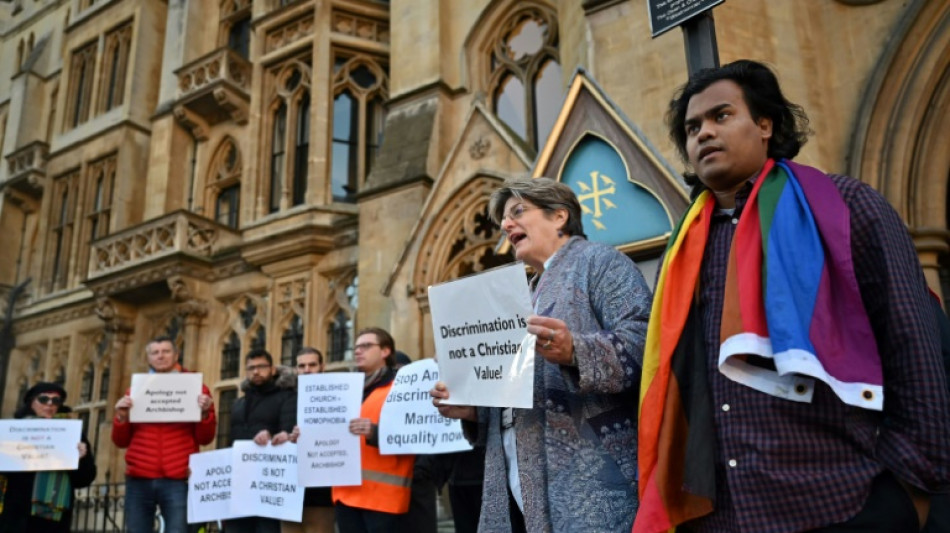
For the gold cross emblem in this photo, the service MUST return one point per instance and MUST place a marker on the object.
(598, 195)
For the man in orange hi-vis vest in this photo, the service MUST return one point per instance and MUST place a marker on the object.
(375, 505)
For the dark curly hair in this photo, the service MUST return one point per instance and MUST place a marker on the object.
(761, 92)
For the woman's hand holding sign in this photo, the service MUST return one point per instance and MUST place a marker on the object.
(555, 342)
(462, 412)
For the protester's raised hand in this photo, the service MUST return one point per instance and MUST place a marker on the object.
(361, 426)
(122, 408)
(462, 412)
(262, 437)
(555, 342)
(205, 403)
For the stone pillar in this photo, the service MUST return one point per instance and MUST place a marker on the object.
(192, 311)
(118, 327)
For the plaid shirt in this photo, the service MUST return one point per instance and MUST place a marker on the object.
(786, 466)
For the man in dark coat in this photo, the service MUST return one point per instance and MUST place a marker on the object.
(266, 413)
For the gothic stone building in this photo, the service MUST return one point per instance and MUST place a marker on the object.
(280, 173)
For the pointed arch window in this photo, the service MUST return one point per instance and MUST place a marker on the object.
(226, 399)
(101, 180)
(250, 319)
(61, 230)
(116, 57)
(245, 332)
(341, 325)
(291, 341)
(301, 150)
(104, 377)
(88, 380)
(360, 86)
(526, 84)
(231, 357)
(82, 67)
(224, 183)
(289, 137)
(235, 26)
(278, 149)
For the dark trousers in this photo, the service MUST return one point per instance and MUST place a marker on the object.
(515, 515)
(355, 520)
(939, 519)
(421, 517)
(888, 509)
(254, 524)
(466, 503)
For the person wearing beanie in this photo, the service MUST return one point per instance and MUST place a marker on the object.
(42, 502)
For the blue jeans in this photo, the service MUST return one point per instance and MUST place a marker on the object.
(143, 495)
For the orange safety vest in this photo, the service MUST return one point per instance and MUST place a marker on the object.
(386, 478)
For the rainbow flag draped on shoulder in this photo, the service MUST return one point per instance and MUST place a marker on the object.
(791, 296)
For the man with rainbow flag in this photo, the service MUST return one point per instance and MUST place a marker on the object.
(792, 376)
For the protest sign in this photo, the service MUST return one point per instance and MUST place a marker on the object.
(166, 397)
(209, 487)
(329, 453)
(34, 444)
(409, 423)
(486, 356)
(264, 478)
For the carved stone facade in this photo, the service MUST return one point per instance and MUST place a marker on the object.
(242, 174)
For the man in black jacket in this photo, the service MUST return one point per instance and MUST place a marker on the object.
(266, 413)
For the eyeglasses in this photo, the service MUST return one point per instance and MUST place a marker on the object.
(516, 212)
(44, 399)
(364, 346)
(254, 368)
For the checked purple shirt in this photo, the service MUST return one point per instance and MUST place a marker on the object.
(784, 466)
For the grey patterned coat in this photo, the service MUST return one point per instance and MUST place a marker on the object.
(577, 447)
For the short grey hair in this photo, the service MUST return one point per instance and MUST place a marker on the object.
(545, 193)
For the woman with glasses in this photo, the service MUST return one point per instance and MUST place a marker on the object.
(568, 463)
(41, 502)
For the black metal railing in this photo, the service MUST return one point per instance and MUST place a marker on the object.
(100, 508)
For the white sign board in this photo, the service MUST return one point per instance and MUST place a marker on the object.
(409, 423)
(264, 478)
(486, 356)
(209, 487)
(329, 453)
(165, 397)
(34, 444)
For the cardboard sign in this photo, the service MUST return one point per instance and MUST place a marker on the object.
(209, 487)
(409, 423)
(165, 397)
(486, 356)
(329, 453)
(35, 444)
(264, 479)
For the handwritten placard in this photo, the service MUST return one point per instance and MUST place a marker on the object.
(165, 397)
(409, 423)
(209, 487)
(329, 453)
(264, 478)
(486, 356)
(35, 444)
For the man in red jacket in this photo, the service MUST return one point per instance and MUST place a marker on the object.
(157, 457)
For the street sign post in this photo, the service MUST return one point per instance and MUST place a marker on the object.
(699, 29)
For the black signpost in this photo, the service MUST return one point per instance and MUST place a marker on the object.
(699, 30)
